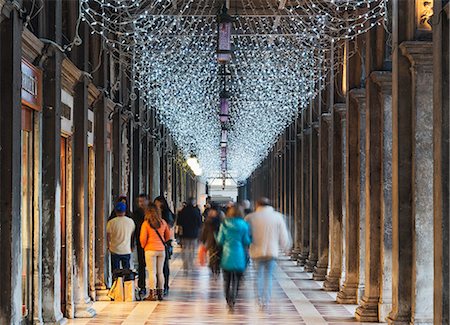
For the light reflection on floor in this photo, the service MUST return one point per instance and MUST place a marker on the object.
(197, 298)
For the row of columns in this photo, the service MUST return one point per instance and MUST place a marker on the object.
(371, 184)
(124, 158)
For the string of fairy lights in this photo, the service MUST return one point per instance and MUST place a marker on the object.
(280, 54)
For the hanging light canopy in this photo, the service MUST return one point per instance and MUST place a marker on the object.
(278, 60)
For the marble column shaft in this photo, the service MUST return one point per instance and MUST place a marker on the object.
(305, 196)
(349, 291)
(333, 278)
(82, 302)
(441, 181)
(313, 197)
(10, 163)
(320, 271)
(420, 55)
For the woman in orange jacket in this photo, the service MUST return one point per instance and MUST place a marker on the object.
(153, 237)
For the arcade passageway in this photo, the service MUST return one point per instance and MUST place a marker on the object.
(337, 111)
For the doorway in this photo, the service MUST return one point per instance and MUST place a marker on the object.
(63, 178)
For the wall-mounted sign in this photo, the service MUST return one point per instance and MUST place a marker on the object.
(31, 86)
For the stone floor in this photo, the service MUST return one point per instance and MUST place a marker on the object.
(198, 299)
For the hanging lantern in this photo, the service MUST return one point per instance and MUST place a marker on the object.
(224, 106)
(224, 138)
(224, 165)
(225, 22)
(223, 153)
(224, 109)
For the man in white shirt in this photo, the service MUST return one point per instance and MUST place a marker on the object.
(119, 235)
(269, 236)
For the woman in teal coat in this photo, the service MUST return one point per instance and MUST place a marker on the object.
(234, 238)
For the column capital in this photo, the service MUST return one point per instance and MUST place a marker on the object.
(307, 131)
(326, 117)
(420, 54)
(359, 95)
(383, 79)
(341, 109)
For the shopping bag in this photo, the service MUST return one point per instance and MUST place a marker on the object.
(129, 291)
(116, 292)
(202, 255)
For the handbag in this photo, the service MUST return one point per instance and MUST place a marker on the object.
(167, 245)
(202, 255)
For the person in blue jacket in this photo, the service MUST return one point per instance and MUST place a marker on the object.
(234, 238)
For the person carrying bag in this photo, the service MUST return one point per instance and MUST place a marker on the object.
(153, 237)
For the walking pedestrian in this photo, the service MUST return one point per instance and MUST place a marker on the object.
(208, 238)
(154, 234)
(122, 198)
(233, 237)
(190, 221)
(139, 216)
(119, 233)
(168, 217)
(269, 235)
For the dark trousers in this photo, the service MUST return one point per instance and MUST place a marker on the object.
(141, 266)
(117, 259)
(166, 271)
(231, 283)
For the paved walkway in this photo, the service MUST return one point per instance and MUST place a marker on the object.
(198, 299)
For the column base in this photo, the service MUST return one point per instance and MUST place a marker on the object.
(294, 254)
(384, 308)
(61, 321)
(331, 283)
(320, 271)
(368, 311)
(310, 265)
(348, 294)
(302, 257)
(102, 295)
(84, 310)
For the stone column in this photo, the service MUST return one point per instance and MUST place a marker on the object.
(441, 164)
(420, 55)
(402, 166)
(83, 304)
(101, 198)
(320, 271)
(305, 197)
(299, 192)
(348, 293)
(313, 196)
(368, 309)
(51, 166)
(332, 281)
(383, 80)
(10, 165)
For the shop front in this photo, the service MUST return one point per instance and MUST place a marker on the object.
(31, 108)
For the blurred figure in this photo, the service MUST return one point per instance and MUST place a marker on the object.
(138, 217)
(168, 217)
(153, 237)
(233, 238)
(189, 221)
(119, 234)
(124, 199)
(269, 235)
(208, 238)
(246, 205)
